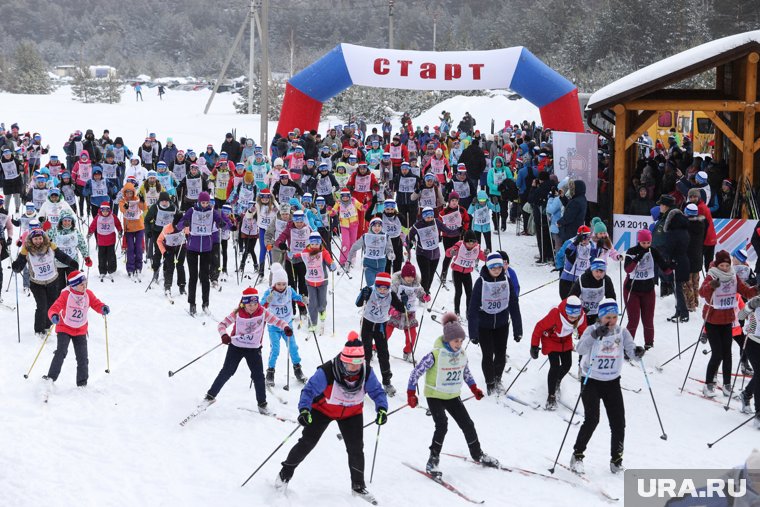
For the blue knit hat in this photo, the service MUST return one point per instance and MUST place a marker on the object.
(599, 263)
(494, 260)
(691, 210)
(740, 254)
(607, 306)
(573, 306)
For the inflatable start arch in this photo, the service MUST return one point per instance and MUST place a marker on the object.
(514, 68)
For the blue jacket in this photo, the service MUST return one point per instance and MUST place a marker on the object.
(554, 210)
(478, 319)
(294, 296)
(522, 176)
(318, 383)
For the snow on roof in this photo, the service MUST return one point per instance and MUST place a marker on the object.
(672, 65)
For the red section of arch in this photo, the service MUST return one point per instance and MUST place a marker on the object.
(563, 114)
(298, 110)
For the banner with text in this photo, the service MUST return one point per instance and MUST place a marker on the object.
(575, 155)
(732, 233)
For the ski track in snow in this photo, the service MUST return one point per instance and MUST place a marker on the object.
(119, 442)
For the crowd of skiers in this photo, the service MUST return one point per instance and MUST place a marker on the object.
(312, 204)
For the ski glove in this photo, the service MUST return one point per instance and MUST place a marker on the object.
(382, 417)
(600, 332)
(426, 298)
(288, 331)
(474, 340)
(366, 293)
(226, 339)
(304, 418)
(88, 262)
(477, 392)
(282, 246)
(639, 351)
(105, 310)
(55, 319)
(404, 298)
(754, 303)
(534, 352)
(411, 398)
(714, 283)
(333, 266)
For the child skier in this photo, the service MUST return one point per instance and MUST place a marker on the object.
(132, 208)
(336, 393)
(555, 335)
(427, 232)
(104, 226)
(593, 286)
(465, 255)
(69, 314)
(377, 301)
(602, 347)
(348, 210)
(247, 321)
(444, 368)
(278, 299)
(316, 257)
(68, 238)
(406, 285)
(171, 245)
(578, 255)
(376, 247)
(481, 221)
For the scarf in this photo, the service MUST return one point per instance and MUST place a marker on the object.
(722, 276)
(351, 382)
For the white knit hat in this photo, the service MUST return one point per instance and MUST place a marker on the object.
(278, 274)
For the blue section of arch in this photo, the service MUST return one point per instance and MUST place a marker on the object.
(324, 78)
(537, 82)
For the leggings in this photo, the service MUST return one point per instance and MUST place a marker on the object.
(247, 245)
(348, 237)
(80, 351)
(609, 392)
(640, 305)
(461, 280)
(232, 360)
(427, 271)
(559, 365)
(370, 332)
(395, 265)
(487, 236)
(458, 412)
(719, 336)
(410, 335)
(197, 265)
(493, 345)
(262, 251)
(447, 243)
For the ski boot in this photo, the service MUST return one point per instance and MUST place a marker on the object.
(155, 276)
(576, 463)
(208, 398)
(298, 372)
(182, 290)
(361, 491)
(432, 465)
(558, 389)
(551, 402)
(616, 465)
(204, 309)
(648, 346)
(280, 483)
(389, 389)
(488, 461)
(269, 380)
(193, 311)
(491, 389)
(408, 357)
(746, 401)
(747, 368)
(102, 278)
(726, 388)
(263, 409)
(709, 390)
(499, 387)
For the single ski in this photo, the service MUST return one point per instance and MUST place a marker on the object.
(9, 307)
(198, 411)
(195, 316)
(504, 403)
(714, 400)
(274, 393)
(587, 481)
(271, 414)
(524, 403)
(443, 483)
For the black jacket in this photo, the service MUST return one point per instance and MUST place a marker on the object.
(478, 319)
(696, 228)
(676, 246)
(474, 159)
(233, 150)
(575, 212)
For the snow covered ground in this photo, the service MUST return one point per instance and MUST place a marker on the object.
(119, 441)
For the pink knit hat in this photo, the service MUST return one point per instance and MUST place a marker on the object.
(643, 235)
(353, 350)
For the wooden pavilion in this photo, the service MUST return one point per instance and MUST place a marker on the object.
(624, 109)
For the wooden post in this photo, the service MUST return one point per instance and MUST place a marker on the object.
(620, 168)
(750, 96)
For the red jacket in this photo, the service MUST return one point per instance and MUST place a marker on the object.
(454, 250)
(59, 307)
(465, 219)
(105, 239)
(404, 155)
(548, 331)
(711, 238)
(362, 197)
(722, 317)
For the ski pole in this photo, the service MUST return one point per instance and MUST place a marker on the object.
(108, 357)
(322, 361)
(286, 387)
(575, 409)
(727, 434)
(374, 455)
(539, 287)
(332, 275)
(544, 363)
(659, 368)
(172, 373)
(678, 334)
(664, 435)
(525, 366)
(18, 321)
(736, 377)
(39, 352)
(434, 298)
(695, 351)
(234, 247)
(270, 456)
(340, 435)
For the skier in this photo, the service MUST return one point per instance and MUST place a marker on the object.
(293, 240)
(393, 229)
(348, 210)
(104, 226)
(68, 238)
(249, 233)
(158, 216)
(602, 347)
(132, 208)
(406, 282)
(171, 245)
(377, 301)
(494, 299)
(315, 258)
(555, 335)
(376, 247)
(6, 236)
(427, 232)
(53, 207)
(336, 393)
(266, 212)
(444, 368)
(465, 255)
(40, 254)
(247, 321)
(593, 286)
(279, 299)
(481, 222)
(455, 217)
(69, 314)
(578, 255)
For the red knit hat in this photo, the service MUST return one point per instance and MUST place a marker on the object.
(584, 229)
(383, 280)
(250, 295)
(353, 350)
(408, 270)
(284, 172)
(76, 278)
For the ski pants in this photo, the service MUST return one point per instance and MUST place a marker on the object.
(752, 353)
(407, 214)
(427, 269)
(44, 296)
(410, 334)
(134, 251)
(447, 243)
(150, 244)
(559, 365)
(721, 342)
(371, 268)
(372, 332)
(348, 236)
(262, 251)
(486, 237)
(317, 301)
(609, 392)
(231, 361)
(640, 305)
(395, 265)
(63, 274)
(106, 259)
(461, 280)
(493, 345)
(80, 351)
(458, 412)
(215, 262)
(564, 288)
(169, 266)
(248, 245)
(198, 264)
(275, 335)
(353, 437)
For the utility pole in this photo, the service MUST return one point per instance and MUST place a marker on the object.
(264, 71)
(435, 24)
(390, 24)
(251, 48)
(292, 49)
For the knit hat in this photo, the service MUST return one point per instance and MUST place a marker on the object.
(204, 196)
(461, 168)
(408, 270)
(383, 280)
(315, 238)
(482, 196)
(494, 260)
(427, 211)
(573, 306)
(285, 208)
(389, 203)
(105, 205)
(607, 306)
(722, 257)
(344, 191)
(701, 177)
(307, 197)
(250, 295)
(376, 221)
(320, 200)
(452, 329)
(353, 350)
(76, 278)
(694, 192)
(598, 226)
(740, 254)
(599, 263)
(454, 195)
(164, 196)
(284, 173)
(691, 210)
(298, 215)
(278, 273)
(430, 176)
(470, 236)
(643, 235)
(583, 230)
(248, 177)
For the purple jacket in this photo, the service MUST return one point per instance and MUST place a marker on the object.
(202, 244)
